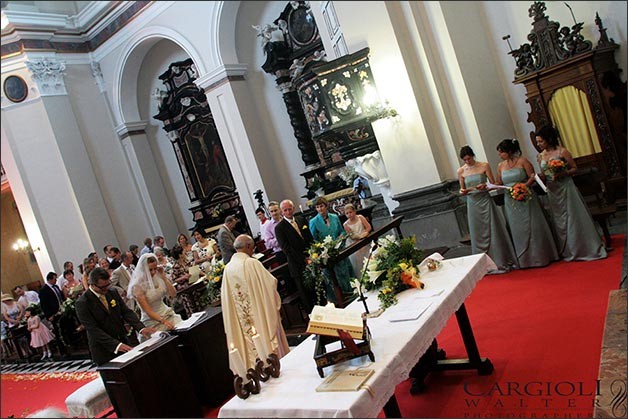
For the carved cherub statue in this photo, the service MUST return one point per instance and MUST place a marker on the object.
(265, 32)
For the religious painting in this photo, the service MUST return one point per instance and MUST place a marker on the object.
(209, 164)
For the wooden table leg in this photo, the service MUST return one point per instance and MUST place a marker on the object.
(391, 408)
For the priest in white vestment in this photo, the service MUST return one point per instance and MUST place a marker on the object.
(250, 305)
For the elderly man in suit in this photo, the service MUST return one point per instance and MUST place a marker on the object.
(121, 276)
(294, 238)
(103, 313)
(225, 237)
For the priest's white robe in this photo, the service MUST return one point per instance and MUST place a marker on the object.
(250, 299)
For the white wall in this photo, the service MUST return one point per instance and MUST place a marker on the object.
(156, 62)
(108, 161)
(275, 147)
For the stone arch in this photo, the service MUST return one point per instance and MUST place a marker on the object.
(223, 36)
(124, 87)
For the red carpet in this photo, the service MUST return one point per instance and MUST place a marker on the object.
(24, 394)
(542, 329)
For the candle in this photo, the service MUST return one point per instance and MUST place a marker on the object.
(300, 207)
(259, 345)
(236, 362)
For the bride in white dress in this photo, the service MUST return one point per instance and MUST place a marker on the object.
(357, 227)
(149, 286)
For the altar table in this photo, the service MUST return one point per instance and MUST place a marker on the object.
(397, 347)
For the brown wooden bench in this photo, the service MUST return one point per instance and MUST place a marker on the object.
(589, 182)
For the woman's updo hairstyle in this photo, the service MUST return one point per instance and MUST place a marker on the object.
(176, 251)
(549, 134)
(200, 231)
(466, 151)
(510, 146)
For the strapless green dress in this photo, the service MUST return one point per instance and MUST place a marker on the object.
(487, 226)
(576, 235)
(531, 234)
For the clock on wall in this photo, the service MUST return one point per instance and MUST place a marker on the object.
(15, 88)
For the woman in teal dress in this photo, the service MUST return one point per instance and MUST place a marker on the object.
(326, 224)
(487, 225)
(531, 234)
(576, 235)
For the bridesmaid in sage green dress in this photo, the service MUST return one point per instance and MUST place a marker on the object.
(531, 234)
(487, 225)
(576, 235)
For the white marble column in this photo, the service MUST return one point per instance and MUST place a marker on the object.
(156, 208)
(44, 190)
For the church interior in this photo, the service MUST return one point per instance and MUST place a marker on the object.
(129, 121)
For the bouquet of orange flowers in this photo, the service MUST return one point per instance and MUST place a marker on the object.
(520, 192)
(557, 165)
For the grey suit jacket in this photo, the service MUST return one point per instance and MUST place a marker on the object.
(225, 239)
(120, 278)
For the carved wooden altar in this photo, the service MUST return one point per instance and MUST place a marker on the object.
(192, 131)
(557, 57)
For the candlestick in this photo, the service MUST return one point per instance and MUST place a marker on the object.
(260, 345)
(237, 362)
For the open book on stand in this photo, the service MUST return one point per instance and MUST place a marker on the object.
(328, 319)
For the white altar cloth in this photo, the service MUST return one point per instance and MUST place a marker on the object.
(397, 347)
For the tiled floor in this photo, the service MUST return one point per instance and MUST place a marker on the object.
(80, 365)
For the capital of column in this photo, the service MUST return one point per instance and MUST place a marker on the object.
(221, 75)
(126, 129)
(97, 73)
(48, 74)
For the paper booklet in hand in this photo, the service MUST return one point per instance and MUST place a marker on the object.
(491, 186)
(328, 319)
(195, 273)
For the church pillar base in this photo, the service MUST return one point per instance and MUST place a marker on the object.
(434, 214)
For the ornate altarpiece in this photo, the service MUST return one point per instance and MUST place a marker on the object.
(192, 131)
(559, 56)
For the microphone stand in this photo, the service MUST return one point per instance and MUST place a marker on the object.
(362, 297)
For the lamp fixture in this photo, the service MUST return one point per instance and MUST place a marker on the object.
(23, 246)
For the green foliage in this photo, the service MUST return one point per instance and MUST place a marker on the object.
(393, 268)
(319, 255)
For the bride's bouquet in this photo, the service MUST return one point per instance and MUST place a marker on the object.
(520, 192)
(557, 166)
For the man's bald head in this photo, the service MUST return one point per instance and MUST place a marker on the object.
(244, 244)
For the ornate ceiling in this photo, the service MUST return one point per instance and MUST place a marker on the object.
(63, 26)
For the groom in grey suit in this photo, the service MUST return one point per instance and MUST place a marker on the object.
(121, 276)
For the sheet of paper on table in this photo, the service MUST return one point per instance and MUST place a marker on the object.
(190, 321)
(347, 380)
(429, 293)
(154, 338)
(407, 312)
(127, 356)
